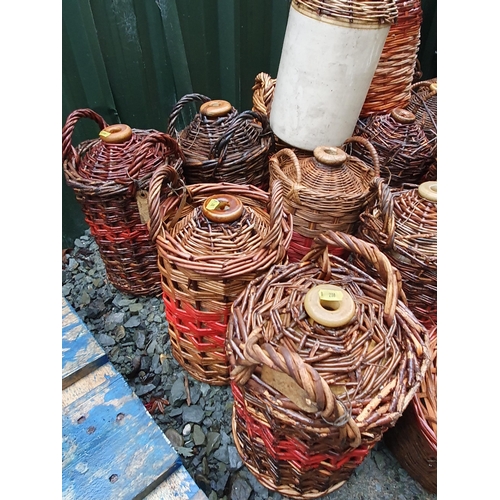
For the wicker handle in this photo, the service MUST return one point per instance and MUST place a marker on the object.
(151, 141)
(276, 162)
(306, 377)
(371, 148)
(162, 174)
(219, 149)
(263, 92)
(368, 251)
(68, 150)
(275, 235)
(176, 110)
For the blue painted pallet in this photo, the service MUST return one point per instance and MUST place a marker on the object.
(112, 448)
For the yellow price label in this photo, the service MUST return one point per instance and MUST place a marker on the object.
(212, 204)
(104, 133)
(331, 295)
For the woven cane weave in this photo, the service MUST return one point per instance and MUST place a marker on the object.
(324, 191)
(404, 151)
(315, 389)
(222, 145)
(423, 104)
(391, 84)
(205, 264)
(110, 178)
(403, 224)
(262, 99)
(413, 440)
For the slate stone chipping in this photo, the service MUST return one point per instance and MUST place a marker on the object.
(134, 333)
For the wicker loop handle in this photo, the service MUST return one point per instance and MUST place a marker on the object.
(371, 253)
(277, 160)
(151, 141)
(162, 174)
(293, 365)
(68, 150)
(223, 208)
(263, 92)
(386, 207)
(371, 149)
(176, 110)
(219, 149)
(115, 134)
(330, 155)
(276, 212)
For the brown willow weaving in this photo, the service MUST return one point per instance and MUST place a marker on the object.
(423, 104)
(222, 145)
(206, 259)
(413, 440)
(326, 190)
(110, 178)
(312, 399)
(262, 98)
(391, 84)
(404, 151)
(403, 224)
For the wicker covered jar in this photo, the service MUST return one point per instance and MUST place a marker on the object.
(110, 178)
(413, 440)
(392, 82)
(325, 191)
(212, 241)
(329, 56)
(404, 151)
(324, 360)
(423, 104)
(222, 145)
(403, 224)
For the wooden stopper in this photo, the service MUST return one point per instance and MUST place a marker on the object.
(222, 208)
(116, 134)
(330, 155)
(216, 108)
(329, 305)
(428, 190)
(402, 115)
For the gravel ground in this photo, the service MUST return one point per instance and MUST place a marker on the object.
(195, 417)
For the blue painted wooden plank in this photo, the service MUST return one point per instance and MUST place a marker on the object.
(81, 353)
(178, 486)
(112, 448)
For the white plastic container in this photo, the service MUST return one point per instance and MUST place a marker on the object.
(326, 67)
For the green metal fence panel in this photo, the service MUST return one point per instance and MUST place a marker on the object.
(131, 60)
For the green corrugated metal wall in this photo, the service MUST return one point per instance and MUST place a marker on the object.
(131, 60)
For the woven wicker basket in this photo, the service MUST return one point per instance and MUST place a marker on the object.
(222, 145)
(313, 396)
(391, 84)
(326, 190)
(403, 224)
(413, 440)
(423, 104)
(110, 178)
(211, 242)
(262, 99)
(404, 151)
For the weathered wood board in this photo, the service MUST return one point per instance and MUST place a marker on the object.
(111, 446)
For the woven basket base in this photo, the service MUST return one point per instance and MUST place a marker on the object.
(287, 491)
(410, 447)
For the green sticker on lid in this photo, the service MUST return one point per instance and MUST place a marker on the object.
(104, 133)
(331, 295)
